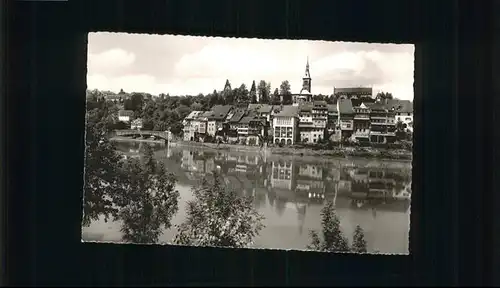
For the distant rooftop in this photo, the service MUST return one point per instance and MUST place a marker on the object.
(353, 90)
(288, 111)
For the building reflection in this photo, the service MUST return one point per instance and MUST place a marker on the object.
(292, 184)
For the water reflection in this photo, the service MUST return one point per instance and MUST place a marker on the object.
(290, 192)
(371, 186)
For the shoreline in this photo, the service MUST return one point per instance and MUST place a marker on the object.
(347, 152)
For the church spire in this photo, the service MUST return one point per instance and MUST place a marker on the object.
(307, 75)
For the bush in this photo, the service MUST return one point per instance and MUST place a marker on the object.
(219, 217)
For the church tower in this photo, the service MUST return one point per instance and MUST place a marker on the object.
(306, 80)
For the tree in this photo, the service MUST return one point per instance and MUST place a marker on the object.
(253, 93)
(383, 96)
(264, 91)
(122, 92)
(149, 200)
(276, 100)
(219, 217)
(242, 95)
(400, 130)
(135, 103)
(333, 239)
(358, 241)
(285, 91)
(176, 128)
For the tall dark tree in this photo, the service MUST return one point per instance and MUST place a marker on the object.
(286, 92)
(121, 92)
(276, 99)
(333, 239)
(243, 94)
(253, 93)
(219, 217)
(358, 241)
(264, 91)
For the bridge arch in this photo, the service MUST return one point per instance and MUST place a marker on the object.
(130, 132)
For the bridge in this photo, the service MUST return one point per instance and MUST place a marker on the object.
(142, 133)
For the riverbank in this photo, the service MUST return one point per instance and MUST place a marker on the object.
(337, 152)
(128, 139)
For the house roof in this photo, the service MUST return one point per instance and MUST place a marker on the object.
(205, 114)
(345, 106)
(404, 106)
(246, 119)
(193, 115)
(288, 111)
(125, 113)
(332, 108)
(220, 111)
(320, 104)
(237, 116)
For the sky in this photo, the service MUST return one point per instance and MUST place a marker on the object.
(188, 65)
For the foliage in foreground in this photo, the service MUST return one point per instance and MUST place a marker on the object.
(333, 239)
(149, 201)
(140, 194)
(219, 217)
(102, 172)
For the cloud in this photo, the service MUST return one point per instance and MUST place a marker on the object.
(110, 60)
(184, 65)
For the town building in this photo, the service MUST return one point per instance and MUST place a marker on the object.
(251, 129)
(332, 125)
(346, 118)
(285, 125)
(313, 118)
(125, 115)
(190, 124)
(404, 112)
(233, 123)
(262, 110)
(216, 119)
(202, 123)
(361, 123)
(382, 123)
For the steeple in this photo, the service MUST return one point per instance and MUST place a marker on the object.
(307, 75)
(306, 81)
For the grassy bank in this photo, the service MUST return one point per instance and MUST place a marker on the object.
(361, 152)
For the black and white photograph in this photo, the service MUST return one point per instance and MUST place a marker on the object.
(248, 143)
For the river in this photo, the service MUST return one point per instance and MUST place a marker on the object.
(290, 192)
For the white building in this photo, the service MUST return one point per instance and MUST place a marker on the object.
(125, 115)
(191, 125)
(285, 125)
